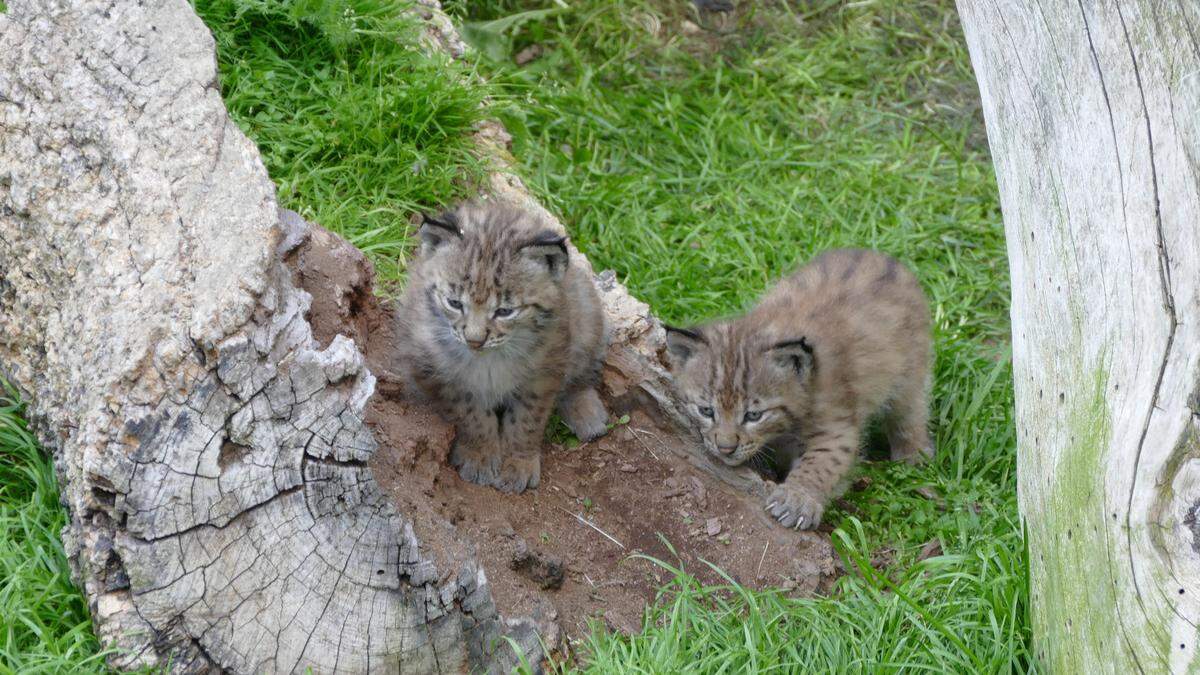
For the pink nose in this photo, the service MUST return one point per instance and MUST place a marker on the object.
(475, 344)
(727, 449)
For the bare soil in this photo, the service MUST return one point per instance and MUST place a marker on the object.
(576, 548)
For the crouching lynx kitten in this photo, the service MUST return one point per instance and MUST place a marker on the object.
(497, 325)
(841, 339)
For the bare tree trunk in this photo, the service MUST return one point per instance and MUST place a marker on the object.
(211, 453)
(1093, 114)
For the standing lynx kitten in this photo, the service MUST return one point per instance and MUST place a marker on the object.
(497, 325)
(841, 339)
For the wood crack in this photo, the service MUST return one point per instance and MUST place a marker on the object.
(1112, 126)
(232, 520)
(1164, 272)
(332, 594)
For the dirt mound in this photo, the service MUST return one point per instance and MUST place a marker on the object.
(573, 549)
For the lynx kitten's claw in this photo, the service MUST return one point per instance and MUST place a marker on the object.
(796, 507)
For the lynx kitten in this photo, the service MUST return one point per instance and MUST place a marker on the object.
(841, 339)
(497, 325)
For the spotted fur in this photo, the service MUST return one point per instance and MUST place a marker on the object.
(498, 325)
(842, 339)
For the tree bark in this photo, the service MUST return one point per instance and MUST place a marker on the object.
(1093, 115)
(211, 453)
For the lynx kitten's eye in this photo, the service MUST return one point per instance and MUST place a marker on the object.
(454, 304)
(504, 312)
(706, 411)
(752, 416)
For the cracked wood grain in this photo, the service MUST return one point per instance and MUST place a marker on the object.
(1095, 139)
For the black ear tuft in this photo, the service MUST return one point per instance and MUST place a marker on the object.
(794, 354)
(437, 230)
(548, 248)
(682, 343)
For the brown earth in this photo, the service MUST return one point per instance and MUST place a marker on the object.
(576, 548)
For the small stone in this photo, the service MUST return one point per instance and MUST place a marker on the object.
(931, 549)
(688, 28)
(620, 623)
(627, 468)
(528, 54)
(674, 489)
(712, 526)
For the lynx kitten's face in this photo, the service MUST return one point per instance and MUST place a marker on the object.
(483, 320)
(741, 392)
(491, 289)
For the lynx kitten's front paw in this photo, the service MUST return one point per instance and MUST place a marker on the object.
(474, 464)
(796, 506)
(519, 472)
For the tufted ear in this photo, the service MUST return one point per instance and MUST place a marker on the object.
(794, 355)
(548, 249)
(682, 344)
(437, 230)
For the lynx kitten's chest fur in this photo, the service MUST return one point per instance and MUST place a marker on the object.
(842, 339)
(497, 326)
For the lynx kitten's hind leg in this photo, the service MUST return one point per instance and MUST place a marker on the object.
(906, 424)
(583, 412)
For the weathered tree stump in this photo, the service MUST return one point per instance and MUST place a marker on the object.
(1093, 114)
(211, 449)
(211, 456)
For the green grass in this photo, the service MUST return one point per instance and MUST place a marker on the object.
(357, 125)
(44, 623)
(700, 167)
(925, 619)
